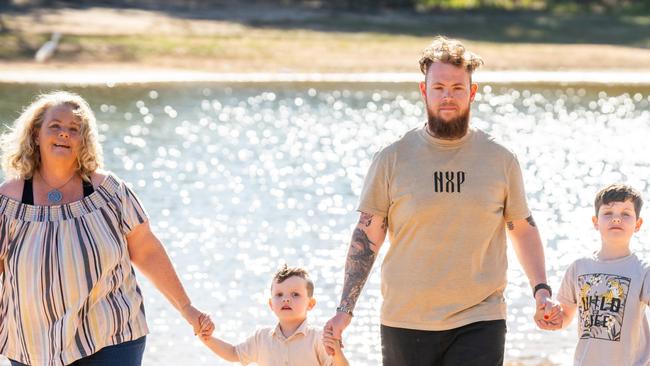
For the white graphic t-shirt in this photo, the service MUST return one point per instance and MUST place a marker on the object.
(611, 296)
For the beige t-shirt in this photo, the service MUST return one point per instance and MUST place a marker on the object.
(447, 203)
(612, 297)
(269, 347)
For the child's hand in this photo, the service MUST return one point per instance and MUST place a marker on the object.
(329, 341)
(328, 332)
(200, 321)
(206, 326)
(333, 344)
(553, 319)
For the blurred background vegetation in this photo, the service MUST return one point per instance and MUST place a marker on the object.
(572, 6)
(326, 35)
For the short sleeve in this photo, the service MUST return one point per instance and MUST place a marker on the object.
(247, 352)
(567, 293)
(516, 207)
(645, 287)
(133, 214)
(375, 198)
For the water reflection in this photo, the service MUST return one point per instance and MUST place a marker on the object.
(240, 179)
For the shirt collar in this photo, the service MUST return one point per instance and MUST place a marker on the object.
(302, 329)
(446, 144)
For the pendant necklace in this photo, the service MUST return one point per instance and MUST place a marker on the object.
(54, 195)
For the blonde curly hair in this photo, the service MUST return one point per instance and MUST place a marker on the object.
(20, 153)
(449, 51)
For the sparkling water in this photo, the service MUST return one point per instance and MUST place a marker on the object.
(239, 179)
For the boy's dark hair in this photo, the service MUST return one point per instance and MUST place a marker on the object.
(287, 272)
(619, 193)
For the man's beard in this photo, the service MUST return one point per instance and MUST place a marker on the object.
(448, 130)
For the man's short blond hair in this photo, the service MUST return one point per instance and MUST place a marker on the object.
(20, 153)
(449, 51)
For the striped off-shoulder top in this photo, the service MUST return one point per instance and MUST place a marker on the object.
(68, 287)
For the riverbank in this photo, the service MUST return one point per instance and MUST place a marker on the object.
(110, 75)
(265, 39)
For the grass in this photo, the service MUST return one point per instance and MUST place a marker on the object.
(515, 27)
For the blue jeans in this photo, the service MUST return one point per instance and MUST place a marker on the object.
(123, 354)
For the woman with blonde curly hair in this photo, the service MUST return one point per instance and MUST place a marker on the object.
(69, 235)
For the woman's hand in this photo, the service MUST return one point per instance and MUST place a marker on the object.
(207, 326)
(200, 321)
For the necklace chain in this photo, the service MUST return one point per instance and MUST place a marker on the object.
(59, 187)
(54, 195)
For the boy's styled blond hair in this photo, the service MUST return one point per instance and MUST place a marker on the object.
(20, 153)
(619, 193)
(449, 51)
(287, 272)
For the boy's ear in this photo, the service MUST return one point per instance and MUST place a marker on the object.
(594, 219)
(270, 306)
(312, 303)
(639, 221)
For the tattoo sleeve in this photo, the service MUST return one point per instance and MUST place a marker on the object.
(361, 256)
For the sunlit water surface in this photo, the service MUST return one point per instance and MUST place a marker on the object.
(239, 179)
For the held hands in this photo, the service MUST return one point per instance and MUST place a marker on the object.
(548, 314)
(200, 321)
(555, 318)
(332, 332)
(332, 344)
(207, 326)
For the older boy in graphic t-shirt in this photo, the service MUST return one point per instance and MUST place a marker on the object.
(610, 289)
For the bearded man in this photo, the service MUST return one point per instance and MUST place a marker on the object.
(446, 194)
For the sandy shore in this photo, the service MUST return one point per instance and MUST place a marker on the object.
(85, 75)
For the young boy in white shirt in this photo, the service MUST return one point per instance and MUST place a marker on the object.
(611, 288)
(292, 342)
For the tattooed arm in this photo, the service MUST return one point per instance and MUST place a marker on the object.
(528, 247)
(367, 238)
(530, 252)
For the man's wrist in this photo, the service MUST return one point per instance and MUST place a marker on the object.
(542, 286)
(345, 309)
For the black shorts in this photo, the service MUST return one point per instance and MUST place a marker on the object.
(475, 344)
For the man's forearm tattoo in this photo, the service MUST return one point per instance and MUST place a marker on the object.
(361, 256)
(531, 221)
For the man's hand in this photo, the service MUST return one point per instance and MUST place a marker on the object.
(546, 313)
(334, 328)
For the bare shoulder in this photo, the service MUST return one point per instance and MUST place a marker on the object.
(12, 188)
